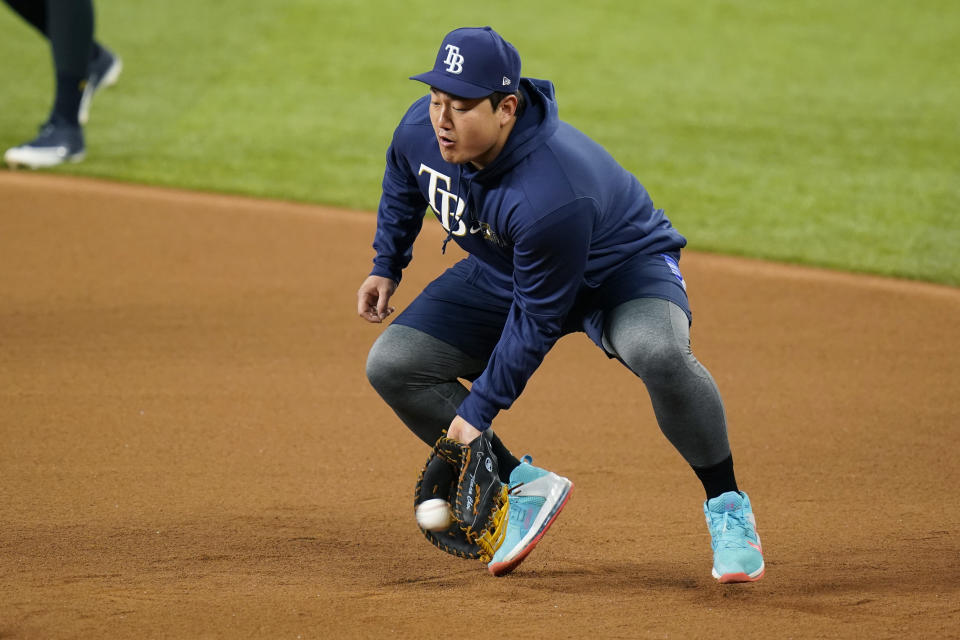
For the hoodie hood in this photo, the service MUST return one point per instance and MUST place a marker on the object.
(538, 121)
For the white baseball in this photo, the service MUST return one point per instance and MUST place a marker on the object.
(434, 514)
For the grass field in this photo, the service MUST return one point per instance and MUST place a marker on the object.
(822, 132)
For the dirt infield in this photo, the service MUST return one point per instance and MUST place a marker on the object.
(190, 448)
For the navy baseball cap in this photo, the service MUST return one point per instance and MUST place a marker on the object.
(474, 62)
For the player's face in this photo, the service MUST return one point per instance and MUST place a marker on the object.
(468, 130)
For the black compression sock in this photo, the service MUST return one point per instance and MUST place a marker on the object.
(70, 29)
(719, 478)
(506, 461)
(66, 105)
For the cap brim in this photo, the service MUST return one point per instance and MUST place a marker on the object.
(451, 85)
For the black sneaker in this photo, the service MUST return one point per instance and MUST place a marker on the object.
(104, 71)
(57, 143)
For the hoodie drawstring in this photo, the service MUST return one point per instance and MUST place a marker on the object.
(443, 247)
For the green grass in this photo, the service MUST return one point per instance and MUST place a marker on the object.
(823, 132)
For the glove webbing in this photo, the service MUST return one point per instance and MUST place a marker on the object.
(491, 539)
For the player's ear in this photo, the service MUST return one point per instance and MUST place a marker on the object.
(508, 107)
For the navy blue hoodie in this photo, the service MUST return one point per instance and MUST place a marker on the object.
(552, 215)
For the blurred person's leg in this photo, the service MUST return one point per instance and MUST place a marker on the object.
(81, 66)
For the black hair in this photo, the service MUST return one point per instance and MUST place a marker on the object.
(497, 97)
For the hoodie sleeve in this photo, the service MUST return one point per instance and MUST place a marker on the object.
(549, 262)
(399, 217)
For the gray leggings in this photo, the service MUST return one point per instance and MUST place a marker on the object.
(419, 377)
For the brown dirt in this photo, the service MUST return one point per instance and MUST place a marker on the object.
(190, 448)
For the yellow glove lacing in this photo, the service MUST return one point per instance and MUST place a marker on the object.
(491, 539)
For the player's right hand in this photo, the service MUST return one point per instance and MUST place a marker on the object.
(373, 298)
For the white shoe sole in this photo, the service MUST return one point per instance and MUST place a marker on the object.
(729, 578)
(36, 159)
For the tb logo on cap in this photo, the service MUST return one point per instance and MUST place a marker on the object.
(454, 60)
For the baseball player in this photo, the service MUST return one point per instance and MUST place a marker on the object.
(82, 66)
(560, 239)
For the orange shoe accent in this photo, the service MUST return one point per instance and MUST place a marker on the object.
(740, 577)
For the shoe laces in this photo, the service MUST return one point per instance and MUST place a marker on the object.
(733, 530)
(46, 129)
(49, 127)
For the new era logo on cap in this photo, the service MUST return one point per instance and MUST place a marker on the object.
(473, 62)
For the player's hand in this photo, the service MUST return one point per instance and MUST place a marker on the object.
(462, 431)
(373, 298)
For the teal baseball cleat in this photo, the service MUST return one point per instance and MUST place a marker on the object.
(536, 498)
(737, 554)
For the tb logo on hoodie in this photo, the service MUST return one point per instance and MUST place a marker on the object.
(446, 197)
